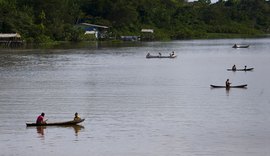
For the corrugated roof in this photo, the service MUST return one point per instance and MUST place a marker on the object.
(10, 35)
(94, 25)
(147, 30)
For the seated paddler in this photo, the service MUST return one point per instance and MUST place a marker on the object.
(77, 117)
(40, 119)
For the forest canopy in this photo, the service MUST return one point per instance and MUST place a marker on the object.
(55, 20)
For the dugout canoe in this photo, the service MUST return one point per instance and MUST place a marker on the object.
(237, 86)
(240, 46)
(65, 123)
(248, 69)
(157, 56)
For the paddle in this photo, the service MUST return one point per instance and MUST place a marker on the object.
(45, 121)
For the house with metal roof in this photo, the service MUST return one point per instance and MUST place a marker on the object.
(10, 39)
(99, 31)
(147, 34)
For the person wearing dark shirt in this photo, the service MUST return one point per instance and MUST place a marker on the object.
(227, 83)
(234, 67)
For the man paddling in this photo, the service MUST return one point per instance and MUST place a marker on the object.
(40, 119)
(234, 67)
(77, 117)
(227, 83)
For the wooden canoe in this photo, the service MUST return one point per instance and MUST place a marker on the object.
(248, 69)
(72, 122)
(157, 56)
(237, 86)
(240, 46)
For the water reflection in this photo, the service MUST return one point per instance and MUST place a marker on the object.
(228, 90)
(41, 129)
(76, 128)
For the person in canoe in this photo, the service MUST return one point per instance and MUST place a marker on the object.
(77, 117)
(227, 83)
(234, 67)
(245, 68)
(172, 54)
(40, 119)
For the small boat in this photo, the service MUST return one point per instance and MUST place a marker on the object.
(247, 69)
(65, 123)
(158, 56)
(237, 86)
(240, 46)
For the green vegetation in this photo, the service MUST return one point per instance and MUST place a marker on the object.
(54, 20)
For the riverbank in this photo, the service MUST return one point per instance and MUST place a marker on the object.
(115, 43)
(229, 35)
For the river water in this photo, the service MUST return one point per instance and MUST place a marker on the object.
(135, 106)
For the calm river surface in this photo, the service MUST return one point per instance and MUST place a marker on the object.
(135, 106)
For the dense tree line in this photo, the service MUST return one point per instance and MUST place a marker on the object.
(54, 20)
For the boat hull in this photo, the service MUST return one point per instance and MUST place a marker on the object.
(237, 86)
(240, 46)
(248, 69)
(152, 56)
(66, 123)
